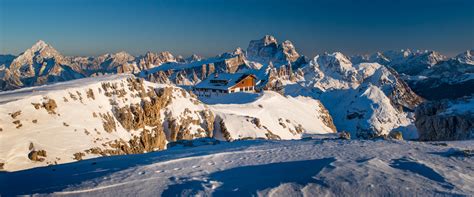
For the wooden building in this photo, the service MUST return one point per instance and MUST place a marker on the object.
(225, 83)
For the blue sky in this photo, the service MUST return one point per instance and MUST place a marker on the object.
(210, 27)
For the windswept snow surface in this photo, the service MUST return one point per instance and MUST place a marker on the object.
(310, 167)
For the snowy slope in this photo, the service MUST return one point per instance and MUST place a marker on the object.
(264, 168)
(364, 99)
(272, 114)
(95, 116)
(122, 114)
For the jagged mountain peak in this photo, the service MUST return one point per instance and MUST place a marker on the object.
(238, 51)
(122, 54)
(267, 49)
(39, 48)
(334, 58)
(433, 57)
(194, 58)
(36, 53)
(39, 45)
(286, 50)
(268, 39)
(466, 57)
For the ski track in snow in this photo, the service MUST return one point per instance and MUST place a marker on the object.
(258, 167)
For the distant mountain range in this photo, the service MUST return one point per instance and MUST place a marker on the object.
(428, 73)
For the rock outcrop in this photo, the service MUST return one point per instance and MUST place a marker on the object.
(446, 120)
(37, 155)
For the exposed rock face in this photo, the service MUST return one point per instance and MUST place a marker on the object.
(445, 120)
(151, 60)
(146, 141)
(344, 135)
(267, 50)
(402, 95)
(220, 126)
(78, 156)
(108, 122)
(15, 114)
(137, 116)
(276, 77)
(326, 117)
(37, 155)
(50, 105)
(147, 113)
(396, 135)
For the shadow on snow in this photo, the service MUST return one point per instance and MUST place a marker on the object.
(247, 180)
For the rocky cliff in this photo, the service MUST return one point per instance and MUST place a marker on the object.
(446, 120)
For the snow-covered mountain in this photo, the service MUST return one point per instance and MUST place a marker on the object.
(405, 61)
(38, 65)
(449, 79)
(466, 57)
(366, 99)
(122, 114)
(151, 60)
(429, 73)
(267, 50)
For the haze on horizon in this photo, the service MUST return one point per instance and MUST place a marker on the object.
(210, 27)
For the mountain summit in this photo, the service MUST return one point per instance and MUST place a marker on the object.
(267, 50)
(38, 65)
